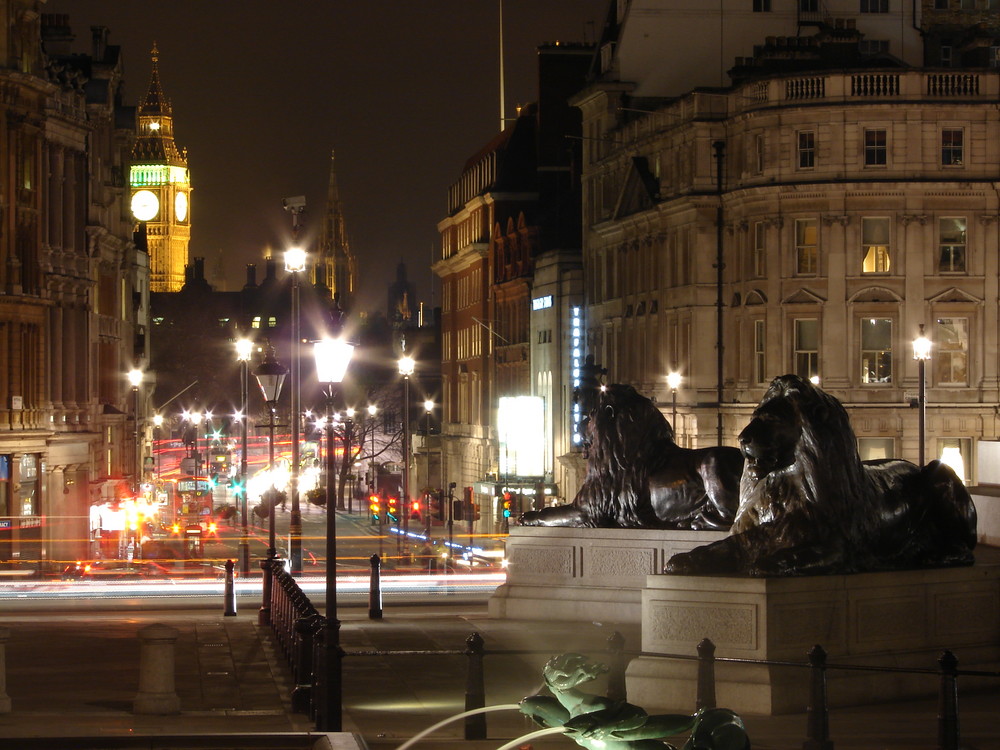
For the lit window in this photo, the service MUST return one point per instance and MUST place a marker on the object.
(952, 142)
(806, 249)
(807, 149)
(876, 350)
(806, 348)
(876, 448)
(875, 245)
(951, 244)
(255, 323)
(876, 149)
(272, 322)
(950, 353)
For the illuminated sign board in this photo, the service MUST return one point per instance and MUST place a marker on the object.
(576, 362)
(541, 303)
(521, 429)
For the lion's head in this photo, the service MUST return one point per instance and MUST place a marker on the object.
(569, 670)
(800, 453)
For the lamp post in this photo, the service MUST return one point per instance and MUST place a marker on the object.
(295, 263)
(244, 348)
(135, 379)
(195, 418)
(406, 367)
(157, 424)
(428, 410)
(921, 353)
(332, 358)
(674, 381)
(372, 411)
(348, 442)
(270, 377)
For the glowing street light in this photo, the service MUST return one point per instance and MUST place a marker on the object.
(921, 353)
(674, 381)
(270, 377)
(332, 358)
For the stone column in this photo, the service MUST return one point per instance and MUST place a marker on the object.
(156, 671)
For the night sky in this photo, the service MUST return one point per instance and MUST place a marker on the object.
(403, 90)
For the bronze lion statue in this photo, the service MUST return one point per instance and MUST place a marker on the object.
(638, 477)
(810, 506)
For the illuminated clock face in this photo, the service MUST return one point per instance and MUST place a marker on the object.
(145, 205)
(181, 206)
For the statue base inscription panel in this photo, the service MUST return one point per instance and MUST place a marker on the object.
(583, 575)
(894, 619)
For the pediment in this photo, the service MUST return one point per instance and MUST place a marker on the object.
(755, 297)
(803, 297)
(640, 191)
(954, 294)
(875, 294)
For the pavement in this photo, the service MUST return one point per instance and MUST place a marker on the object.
(73, 673)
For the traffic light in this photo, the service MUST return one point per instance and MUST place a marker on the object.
(392, 513)
(375, 505)
(457, 510)
(506, 505)
(415, 509)
(238, 485)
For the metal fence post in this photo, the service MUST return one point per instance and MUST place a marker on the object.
(706, 674)
(948, 731)
(617, 690)
(304, 669)
(475, 688)
(817, 715)
(375, 589)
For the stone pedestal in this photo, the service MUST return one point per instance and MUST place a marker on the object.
(583, 575)
(897, 619)
(157, 693)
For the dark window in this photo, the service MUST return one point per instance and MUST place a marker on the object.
(874, 6)
(761, 6)
(807, 149)
(876, 153)
(952, 142)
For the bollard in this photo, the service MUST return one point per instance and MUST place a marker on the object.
(4, 698)
(948, 732)
(616, 669)
(375, 589)
(817, 714)
(475, 688)
(706, 675)
(229, 593)
(156, 671)
(264, 613)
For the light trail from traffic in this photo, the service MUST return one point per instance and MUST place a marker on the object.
(466, 583)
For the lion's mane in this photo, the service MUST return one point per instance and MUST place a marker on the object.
(629, 440)
(809, 505)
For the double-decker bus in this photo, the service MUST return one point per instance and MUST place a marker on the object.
(193, 513)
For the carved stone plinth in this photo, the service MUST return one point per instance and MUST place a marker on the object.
(896, 619)
(582, 575)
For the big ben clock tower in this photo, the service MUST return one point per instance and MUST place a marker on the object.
(161, 188)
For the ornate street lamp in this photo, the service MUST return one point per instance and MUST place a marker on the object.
(295, 264)
(406, 368)
(921, 353)
(270, 377)
(244, 349)
(332, 358)
(674, 381)
(372, 411)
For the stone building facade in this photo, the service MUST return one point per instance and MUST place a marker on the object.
(73, 288)
(808, 218)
